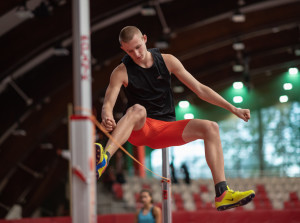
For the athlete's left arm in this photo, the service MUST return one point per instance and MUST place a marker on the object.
(202, 91)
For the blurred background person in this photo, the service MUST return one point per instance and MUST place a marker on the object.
(185, 170)
(120, 167)
(148, 213)
(173, 174)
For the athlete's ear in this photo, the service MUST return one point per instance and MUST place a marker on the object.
(145, 38)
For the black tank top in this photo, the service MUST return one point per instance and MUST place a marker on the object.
(150, 87)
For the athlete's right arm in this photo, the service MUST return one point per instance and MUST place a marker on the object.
(111, 95)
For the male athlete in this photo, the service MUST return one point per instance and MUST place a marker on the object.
(150, 116)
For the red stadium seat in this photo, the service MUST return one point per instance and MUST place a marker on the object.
(203, 188)
(198, 205)
(118, 191)
(146, 186)
(294, 197)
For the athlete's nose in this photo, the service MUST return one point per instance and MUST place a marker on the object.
(136, 53)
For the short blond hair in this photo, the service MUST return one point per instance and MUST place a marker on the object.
(127, 34)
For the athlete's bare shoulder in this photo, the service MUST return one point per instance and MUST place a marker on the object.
(167, 56)
(119, 69)
(119, 74)
(170, 61)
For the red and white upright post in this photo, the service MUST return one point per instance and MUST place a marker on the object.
(83, 184)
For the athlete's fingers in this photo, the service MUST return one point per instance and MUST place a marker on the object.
(243, 114)
(114, 123)
(111, 122)
(107, 128)
(105, 124)
(246, 114)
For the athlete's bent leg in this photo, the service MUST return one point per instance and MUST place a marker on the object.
(134, 119)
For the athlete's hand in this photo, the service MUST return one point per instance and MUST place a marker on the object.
(108, 123)
(243, 114)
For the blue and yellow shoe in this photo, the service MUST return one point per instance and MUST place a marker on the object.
(231, 199)
(101, 160)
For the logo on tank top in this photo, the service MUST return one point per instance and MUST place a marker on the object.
(159, 77)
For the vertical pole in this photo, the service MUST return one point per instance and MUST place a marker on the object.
(139, 153)
(166, 188)
(82, 57)
(83, 186)
(260, 143)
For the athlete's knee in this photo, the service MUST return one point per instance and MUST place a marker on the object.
(137, 111)
(206, 128)
(212, 127)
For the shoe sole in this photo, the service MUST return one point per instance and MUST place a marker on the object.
(242, 202)
(98, 153)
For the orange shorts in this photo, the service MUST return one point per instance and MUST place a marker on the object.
(159, 134)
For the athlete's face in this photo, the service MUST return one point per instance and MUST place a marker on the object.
(145, 198)
(136, 48)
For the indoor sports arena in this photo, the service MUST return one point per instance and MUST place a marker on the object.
(150, 111)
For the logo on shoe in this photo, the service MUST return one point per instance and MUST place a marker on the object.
(230, 199)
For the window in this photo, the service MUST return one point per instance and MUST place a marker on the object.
(269, 144)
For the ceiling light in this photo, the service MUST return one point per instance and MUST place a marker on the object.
(24, 14)
(287, 86)
(161, 44)
(238, 85)
(238, 68)
(293, 71)
(188, 116)
(184, 104)
(276, 29)
(61, 52)
(238, 17)
(178, 89)
(283, 98)
(19, 132)
(238, 46)
(237, 99)
(148, 11)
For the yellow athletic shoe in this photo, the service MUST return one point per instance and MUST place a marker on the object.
(101, 160)
(231, 199)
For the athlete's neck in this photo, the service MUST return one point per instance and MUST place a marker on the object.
(147, 207)
(147, 62)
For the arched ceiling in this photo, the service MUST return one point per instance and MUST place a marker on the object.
(36, 69)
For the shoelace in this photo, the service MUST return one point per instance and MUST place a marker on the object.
(232, 191)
